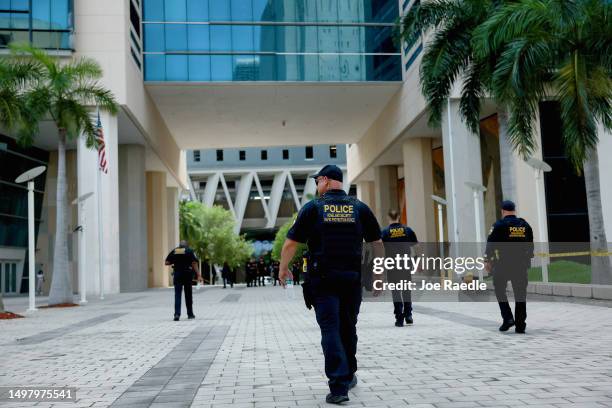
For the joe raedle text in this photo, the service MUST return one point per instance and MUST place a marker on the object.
(446, 284)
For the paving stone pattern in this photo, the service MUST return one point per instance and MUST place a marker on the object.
(254, 348)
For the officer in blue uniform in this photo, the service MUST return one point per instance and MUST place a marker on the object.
(399, 239)
(185, 265)
(509, 252)
(334, 226)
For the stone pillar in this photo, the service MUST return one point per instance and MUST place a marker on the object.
(365, 193)
(385, 182)
(132, 218)
(461, 165)
(604, 149)
(157, 228)
(418, 186)
(173, 217)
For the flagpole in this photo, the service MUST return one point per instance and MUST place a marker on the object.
(100, 223)
(100, 234)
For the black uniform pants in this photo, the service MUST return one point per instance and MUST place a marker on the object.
(402, 299)
(182, 281)
(518, 277)
(336, 300)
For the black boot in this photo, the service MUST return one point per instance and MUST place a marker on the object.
(408, 318)
(336, 399)
(399, 321)
(506, 325)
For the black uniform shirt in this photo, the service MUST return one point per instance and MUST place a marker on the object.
(397, 232)
(510, 240)
(304, 228)
(181, 259)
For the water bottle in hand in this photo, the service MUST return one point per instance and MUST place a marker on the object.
(289, 290)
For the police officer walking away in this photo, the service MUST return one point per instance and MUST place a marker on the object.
(509, 252)
(334, 226)
(184, 263)
(399, 239)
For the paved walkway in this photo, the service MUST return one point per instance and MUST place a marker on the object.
(252, 347)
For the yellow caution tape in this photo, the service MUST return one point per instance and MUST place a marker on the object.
(582, 253)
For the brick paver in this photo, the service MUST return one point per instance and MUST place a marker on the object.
(252, 347)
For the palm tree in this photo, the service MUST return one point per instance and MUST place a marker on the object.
(449, 56)
(13, 108)
(561, 50)
(62, 93)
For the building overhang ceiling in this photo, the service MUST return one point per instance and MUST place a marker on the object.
(225, 115)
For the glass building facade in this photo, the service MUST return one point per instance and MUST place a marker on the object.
(270, 40)
(14, 197)
(47, 24)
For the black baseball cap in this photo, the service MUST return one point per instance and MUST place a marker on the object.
(508, 205)
(330, 171)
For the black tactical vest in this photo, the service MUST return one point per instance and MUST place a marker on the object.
(340, 229)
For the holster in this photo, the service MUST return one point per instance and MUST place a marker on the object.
(307, 292)
(306, 284)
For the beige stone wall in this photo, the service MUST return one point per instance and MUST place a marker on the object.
(157, 227)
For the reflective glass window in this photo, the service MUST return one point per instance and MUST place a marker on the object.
(242, 10)
(153, 10)
(267, 71)
(176, 67)
(197, 10)
(41, 14)
(220, 10)
(242, 38)
(220, 38)
(199, 68)
(175, 10)
(328, 39)
(176, 37)
(198, 37)
(228, 49)
(327, 10)
(60, 16)
(221, 68)
(155, 67)
(154, 37)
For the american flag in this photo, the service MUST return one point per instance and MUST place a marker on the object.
(102, 164)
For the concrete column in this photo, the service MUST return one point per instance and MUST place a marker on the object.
(506, 159)
(210, 191)
(173, 214)
(157, 227)
(525, 190)
(243, 190)
(365, 193)
(418, 187)
(461, 164)
(276, 195)
(604, 149)
(108, 199)
(132, 218)
(385, 182)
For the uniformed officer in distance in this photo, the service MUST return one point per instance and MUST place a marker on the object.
(509, 252)
(399, 239)
(334, 226)
(185, 264)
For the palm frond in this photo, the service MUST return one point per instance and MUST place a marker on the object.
(425, 16)
(446, 56)
(96, 95)
(473, 90)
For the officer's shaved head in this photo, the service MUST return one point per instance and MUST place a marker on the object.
(183, 243)
(393, 214)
